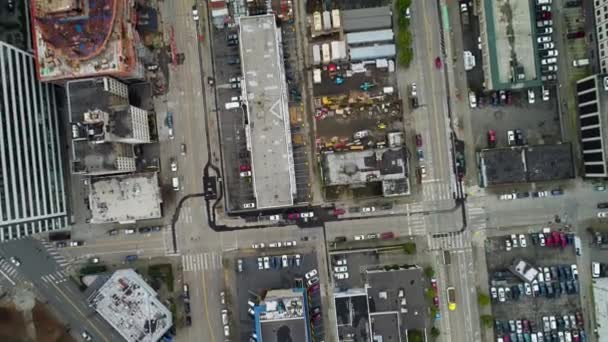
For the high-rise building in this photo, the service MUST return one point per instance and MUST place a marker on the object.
(592, 99)
(601, 27)
(32, 190)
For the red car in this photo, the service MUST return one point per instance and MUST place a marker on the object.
(339, 211)
(293, 216)
(436, 301)
(434, 283)
(418, 140)
(387, 235)
(438, 63)
(556, 238)
(314, 288)
(491, 138)
(245, 167)
(564, 241)
(549, 240)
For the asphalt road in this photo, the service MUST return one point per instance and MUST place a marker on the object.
(61, 293)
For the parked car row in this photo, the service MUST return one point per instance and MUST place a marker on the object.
(276, 262)
(546, 48)
(547, 238)
(278, 244)
(533, 194)
(553, 329)
(340, 268)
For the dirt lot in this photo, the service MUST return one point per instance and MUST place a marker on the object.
(48, 329)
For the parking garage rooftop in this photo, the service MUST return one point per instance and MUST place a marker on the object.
(126, 198)
(549, 162)
(131, 307)
(510, 36)
(502, 166)
(282, 316)
(266, 108)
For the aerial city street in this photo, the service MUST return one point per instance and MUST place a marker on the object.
(304, 171)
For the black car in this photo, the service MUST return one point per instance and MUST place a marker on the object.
(556, 192)
(187, 307)
(522, 194)
(234, 60)
(415, 102)
(519, 137)
(602, 205)
(188, 320)
(570, 4)
(10, 5)
(144, 230)
(157, 229)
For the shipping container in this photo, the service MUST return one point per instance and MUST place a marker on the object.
(326, 53)
(317, 24)
(335, 18)
(326, 21)
(316, 76)
(316, 54)
(338, 50)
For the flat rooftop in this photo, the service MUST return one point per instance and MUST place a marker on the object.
(383, 294)
(600, 295)
(364, 19)
(502, 166)
(549, 162)
(125, 198)
(100, 158)
(385, 327)
(266, 106)
(88, 94)
(533, 163)
(359, 167)
(283, 317)
(131, 307)
(352, 317)
(511, 37)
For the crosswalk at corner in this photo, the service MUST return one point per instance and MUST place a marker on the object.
(201, 262)
(52, 250)
(9, 271)
(55, 277)
(449, 241)
(476, 218)
(434, 191)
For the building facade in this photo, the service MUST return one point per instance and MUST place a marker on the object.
(601, 27)
(32, 189)
(592, 99)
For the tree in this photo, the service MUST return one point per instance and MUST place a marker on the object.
(487, 320)
(414, 336)
(483, 299)
(430, 293)
(429, 272)
(435, 332)
(409, 248)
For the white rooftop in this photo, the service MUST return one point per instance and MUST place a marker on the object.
(130, 306)
(600, 294)
(125, 198)
(266, 106)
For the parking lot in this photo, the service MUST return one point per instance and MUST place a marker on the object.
(553, 292)
(252, 283)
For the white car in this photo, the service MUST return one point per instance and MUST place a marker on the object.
(547, 273)
(508, 245)
(311, 274)
(514, 241)
(544, 39)
(289, 243)
(546, 324)
(541, 239)
(224, 316)
(284, 261)
(257, 245)
(493, 292)
(552, 53)
(368, 209)
(248, 205)
(472, 99)
(15, 261)
(341, 276)
(194, 13)
(550, 68)
(574, 271)
(530, 96)
(463, 7)
(298, 260)
(266, 263)
(129, 231)
(602, 214)
(545, 31)
(528, 289)
(510, 137)
(413, 90)
(359, 237)
(507, 197)
(547, 61)
(260, 264)
(341, 262)
(173, 165)
(546, 46)
(520, 327)
(522, 240)
(274, 217)
(307, 214)
(226, 331)
(312, 281)
(535, 287)
(85, 336)
(245, 174)
(543, 23)
(540, 276)
(422, 171)
(545, 93)
(340, 269)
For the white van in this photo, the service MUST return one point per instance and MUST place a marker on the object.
(232, 105)
(175, 182)
(595, 269)
(580, 62)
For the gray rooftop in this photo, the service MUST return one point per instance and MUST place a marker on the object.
(389, 283)
(89, 94)
(352, 316)
(386, 326)
(267, 111)
(359, 167)
(372, 52)
(99, 158)
(125, 198)
(502, 166)
(131, 307)
(366, 37)
(600, 295)
(365, 19)
(549, 162)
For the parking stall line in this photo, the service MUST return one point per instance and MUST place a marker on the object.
(205, 264)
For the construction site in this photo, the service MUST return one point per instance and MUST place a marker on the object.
(84, 38)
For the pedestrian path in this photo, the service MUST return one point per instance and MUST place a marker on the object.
(54, 253)
(202, 262)
(185, 214)
(9, 271)
(55, 277)
(434, 191)
(476, 218)
(449, 241)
